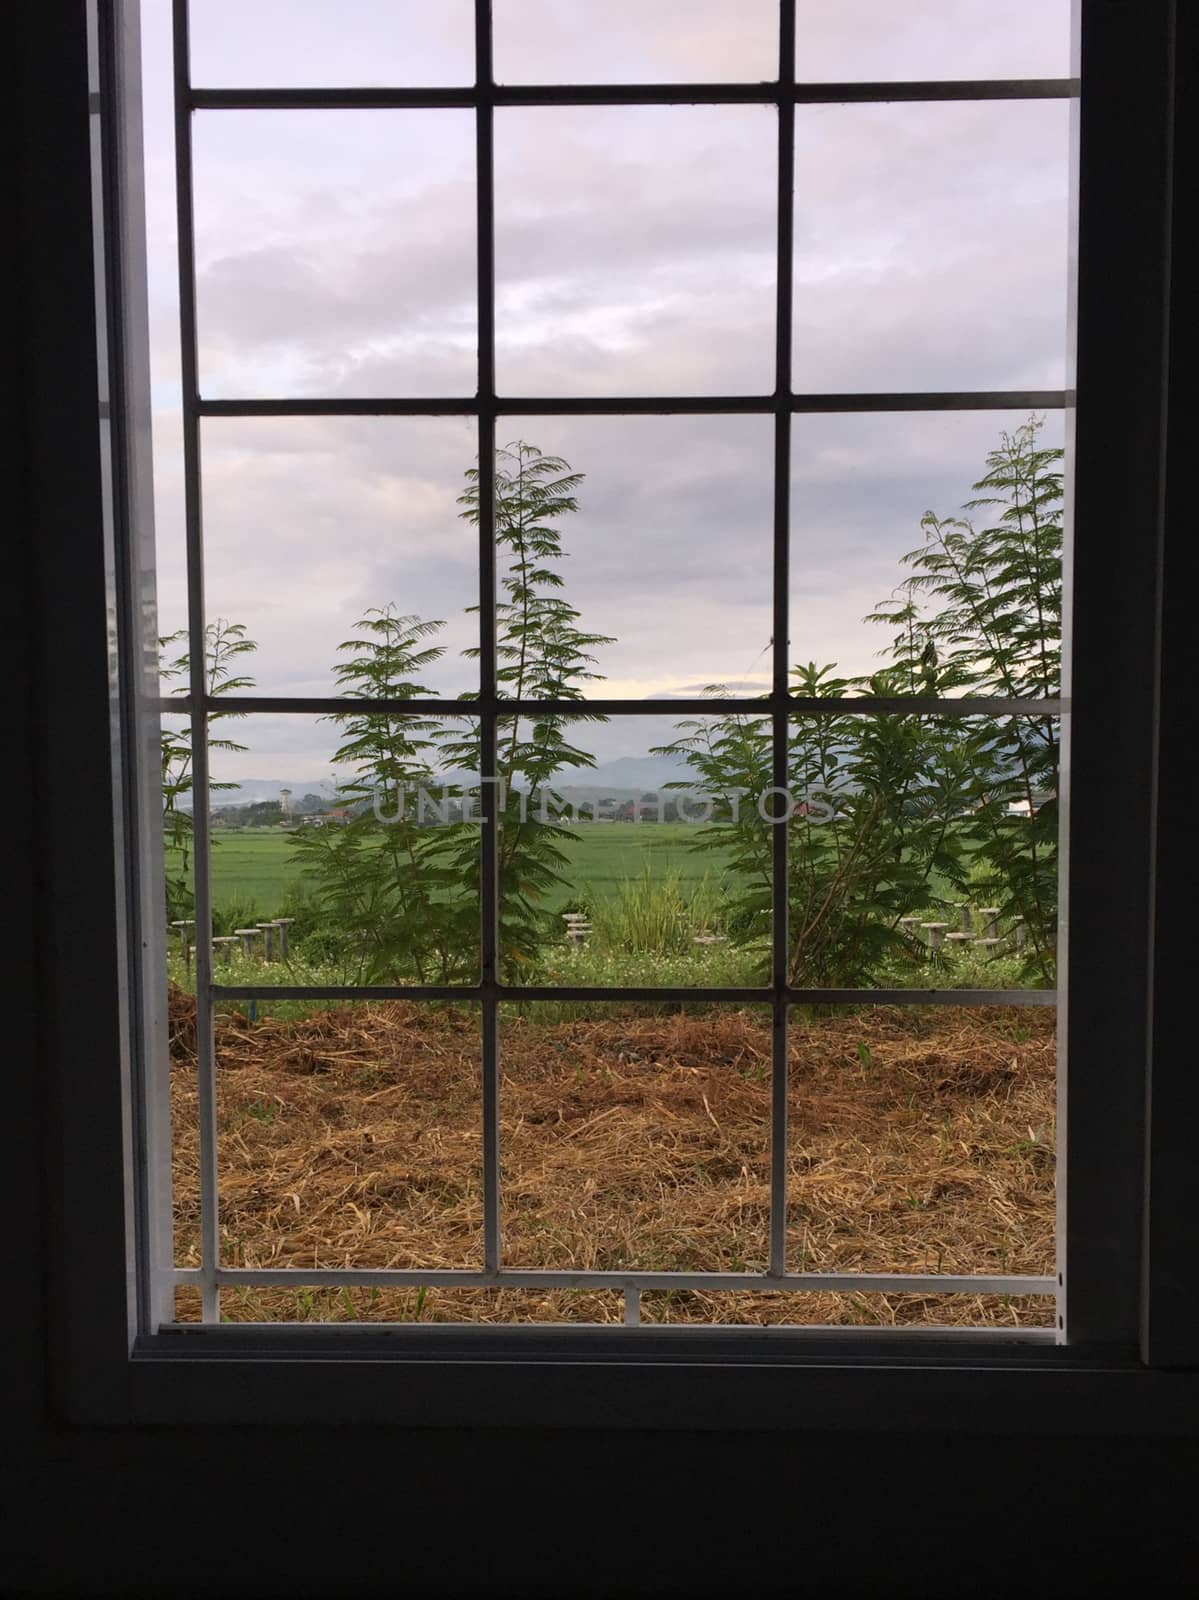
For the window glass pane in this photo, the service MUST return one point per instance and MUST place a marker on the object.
(921, 1139)
(879, 41)
(635, 255)
(635, 41)
(922, 851)
(162, 292)
(350, 831)
(665, 550)
(335, 252)
(348, 1136)
(863, 488)
(635, 249)
(635, 1138)
(620, 862)
(267, 44)
(315, 525)
(931, 246)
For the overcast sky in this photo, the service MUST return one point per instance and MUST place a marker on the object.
(634, 254)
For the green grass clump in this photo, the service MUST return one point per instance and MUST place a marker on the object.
(656, 916)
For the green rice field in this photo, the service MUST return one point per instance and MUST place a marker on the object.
(255, 865)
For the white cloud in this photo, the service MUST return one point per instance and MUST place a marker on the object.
(635, 254)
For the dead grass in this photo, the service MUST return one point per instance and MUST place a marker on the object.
(921, 1139)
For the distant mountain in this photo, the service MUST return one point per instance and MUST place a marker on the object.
(626, 777)
(252, 790)
(630, 772)
(633, 774)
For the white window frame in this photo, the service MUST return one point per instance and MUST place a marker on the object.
(115, 1364)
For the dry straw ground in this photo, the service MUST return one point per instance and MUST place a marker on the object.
(921, 1139)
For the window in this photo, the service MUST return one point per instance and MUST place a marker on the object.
(450, 1358)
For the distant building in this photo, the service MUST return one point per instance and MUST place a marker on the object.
(336, 816)
(1025, 808)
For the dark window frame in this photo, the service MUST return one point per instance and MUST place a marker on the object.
(105, 1369)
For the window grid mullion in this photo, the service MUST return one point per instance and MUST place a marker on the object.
(667, 993)
(784, 226)
(491, 809)
(682, 705)
(640, 405)
(197, 668)
(450, 97)
(632, 1281)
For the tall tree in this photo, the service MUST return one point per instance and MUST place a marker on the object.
(541, 653)
(404, 894)
(398, 913)
(905, 803)
(981, 614)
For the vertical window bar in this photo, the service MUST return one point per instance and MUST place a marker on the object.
(197, 684)
(490, 808)
(779, 723)
(1066, 689)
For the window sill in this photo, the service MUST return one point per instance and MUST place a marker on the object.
(872, 1381)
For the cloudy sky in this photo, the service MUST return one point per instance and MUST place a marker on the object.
(634, 255)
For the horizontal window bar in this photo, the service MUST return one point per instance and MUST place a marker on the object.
(503, 1278)
(629, 94)
(695, 705)
(475, 992)
(772, 92)
(668, 994)
(643, 405)
(937, 400)
(846, 1341)
(346, 98)
(921, 997)
(444, 406)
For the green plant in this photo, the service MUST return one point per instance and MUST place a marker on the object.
(235, 914)
(894, 809)
(981, 614)
(399, 900)
(875, 831)
(224, 644)
(541, 653)
(872, 831)
(377, 882)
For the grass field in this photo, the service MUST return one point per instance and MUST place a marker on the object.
(649, 892)
(255, 865)
(633, 1136)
